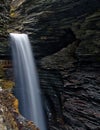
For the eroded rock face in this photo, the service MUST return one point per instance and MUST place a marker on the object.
(53, 25)
(10, 118)
(4, 20)
(66, 43)
(81, 99)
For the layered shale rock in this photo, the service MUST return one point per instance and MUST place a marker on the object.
(52, 25)
(81, 99)
(4, 20)
(65, 38)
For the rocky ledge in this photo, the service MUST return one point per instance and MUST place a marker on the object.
(10, 118)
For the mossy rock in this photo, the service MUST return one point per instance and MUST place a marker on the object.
(7, 84)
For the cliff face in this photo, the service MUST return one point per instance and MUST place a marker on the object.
(65, 38)
(4, 19)
(55, 24)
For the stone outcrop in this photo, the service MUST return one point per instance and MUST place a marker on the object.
(65, 38)
(10, 118)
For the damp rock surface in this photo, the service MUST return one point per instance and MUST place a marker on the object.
(65, 36)
(81, 99)
(10, 118)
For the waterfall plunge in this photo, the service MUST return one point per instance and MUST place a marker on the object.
(27, 88)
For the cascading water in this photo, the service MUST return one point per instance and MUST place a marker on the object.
(27, 87)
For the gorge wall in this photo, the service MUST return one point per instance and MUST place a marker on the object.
(65, 38)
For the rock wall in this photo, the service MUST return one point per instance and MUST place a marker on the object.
(65, 38)
(4, 20)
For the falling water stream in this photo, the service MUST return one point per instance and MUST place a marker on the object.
(27, 85)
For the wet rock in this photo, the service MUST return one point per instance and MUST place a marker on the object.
(53, 25)
(10, 118)
(81, 100)
(52, 87)
(66, 43)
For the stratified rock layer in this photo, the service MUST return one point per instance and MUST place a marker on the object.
(81, 99)
(65, 38)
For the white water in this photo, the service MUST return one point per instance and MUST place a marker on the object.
(27, 88)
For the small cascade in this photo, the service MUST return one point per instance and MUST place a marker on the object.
(27, 88)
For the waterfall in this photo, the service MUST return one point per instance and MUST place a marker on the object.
(27, 85)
